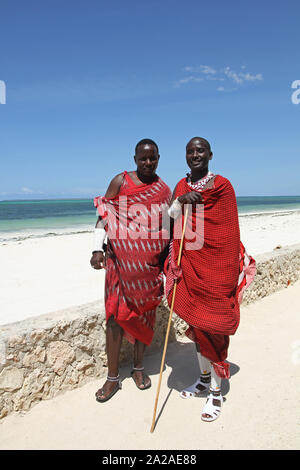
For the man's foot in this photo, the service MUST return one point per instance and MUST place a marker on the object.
(212, 408)
(142, 381)
(198, 388)
(111, 386)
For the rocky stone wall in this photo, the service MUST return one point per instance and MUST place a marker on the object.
(43, 356)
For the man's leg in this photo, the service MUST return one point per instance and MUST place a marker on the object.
(114, 335)
(141, 379)
(205, 369)
(212, 408)
(201, 385)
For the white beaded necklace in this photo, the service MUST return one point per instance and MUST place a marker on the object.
(199, 185)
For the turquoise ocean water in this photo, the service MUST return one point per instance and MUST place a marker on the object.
(39, 218)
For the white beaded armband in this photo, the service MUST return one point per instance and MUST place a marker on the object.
(175, 209)
(99, 237)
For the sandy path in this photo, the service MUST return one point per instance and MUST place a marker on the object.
(261, 409)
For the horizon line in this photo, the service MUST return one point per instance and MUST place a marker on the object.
(92, 197)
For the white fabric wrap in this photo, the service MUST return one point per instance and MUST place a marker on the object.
(175, 209)
(99, 237)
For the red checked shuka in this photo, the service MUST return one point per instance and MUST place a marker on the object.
(211, 279)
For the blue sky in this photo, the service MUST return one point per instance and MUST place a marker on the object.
(86, 80)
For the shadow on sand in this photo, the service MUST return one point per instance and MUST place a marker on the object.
(181, 358)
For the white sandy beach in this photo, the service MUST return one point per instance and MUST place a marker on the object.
(42, 275)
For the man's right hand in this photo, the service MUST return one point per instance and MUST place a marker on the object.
(192, 197)
(98, 260)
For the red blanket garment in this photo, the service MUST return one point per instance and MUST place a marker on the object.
(134, 278)
(206, 295)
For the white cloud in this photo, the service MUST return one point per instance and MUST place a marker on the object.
(232, 75)
(241, 77)
(26, 190)
(191, 78)
(218, 79)
(21, 193)
(201, 72)
(251, 78)
(206, 69)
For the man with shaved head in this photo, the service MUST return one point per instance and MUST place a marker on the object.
(214, 273)
(134, 277)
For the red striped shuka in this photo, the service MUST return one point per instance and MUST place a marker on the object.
(134, 276)
(211, 280)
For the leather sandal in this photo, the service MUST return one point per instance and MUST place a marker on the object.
(144, 385)
(111, 394)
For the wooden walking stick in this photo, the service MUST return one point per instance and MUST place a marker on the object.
(169, 323)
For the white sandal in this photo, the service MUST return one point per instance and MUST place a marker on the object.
(194, 390)
(212, 406)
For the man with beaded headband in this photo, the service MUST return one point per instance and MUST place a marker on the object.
(212, 278)
(131, 216)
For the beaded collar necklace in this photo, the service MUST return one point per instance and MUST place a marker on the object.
(199, 185)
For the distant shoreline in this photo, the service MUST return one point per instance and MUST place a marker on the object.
(91, 198)
(8, 236)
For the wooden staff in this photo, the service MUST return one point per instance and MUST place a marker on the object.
(169, 322)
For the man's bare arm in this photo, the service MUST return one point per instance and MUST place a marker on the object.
(112, 191)
(98, 259)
